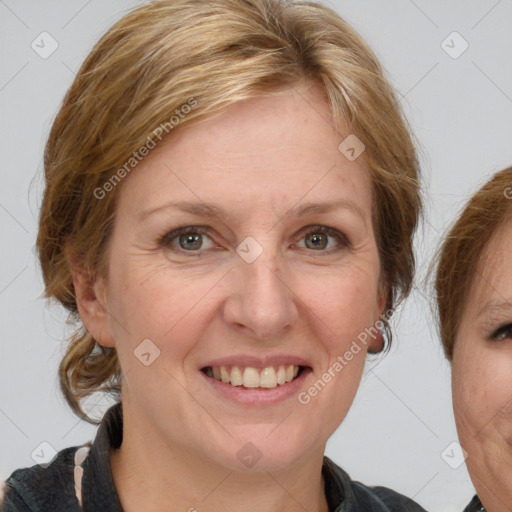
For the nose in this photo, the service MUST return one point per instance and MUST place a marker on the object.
(262, 304)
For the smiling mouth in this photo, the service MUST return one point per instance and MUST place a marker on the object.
(249, 377)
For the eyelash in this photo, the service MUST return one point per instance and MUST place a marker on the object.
(165, 240)
(504, 329)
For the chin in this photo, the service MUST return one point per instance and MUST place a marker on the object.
(266, 450)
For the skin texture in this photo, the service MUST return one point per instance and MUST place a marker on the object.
(257, 160)
(482, 377)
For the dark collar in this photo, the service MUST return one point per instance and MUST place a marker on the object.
(475, 505)
(98, 489)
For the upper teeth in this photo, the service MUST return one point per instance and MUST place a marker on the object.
(250, 377)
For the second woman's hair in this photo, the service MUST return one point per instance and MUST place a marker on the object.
(459, 255)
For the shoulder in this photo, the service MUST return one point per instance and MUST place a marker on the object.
(353, 496)
(39, 488)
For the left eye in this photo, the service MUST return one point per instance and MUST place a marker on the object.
(318, 238)
(503, 333)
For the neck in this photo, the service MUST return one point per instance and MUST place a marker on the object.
(154, 476)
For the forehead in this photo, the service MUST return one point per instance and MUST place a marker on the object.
(492, 282)
(264, 152)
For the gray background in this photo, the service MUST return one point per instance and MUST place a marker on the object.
(461, 112)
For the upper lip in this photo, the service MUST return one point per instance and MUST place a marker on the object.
(257, 362)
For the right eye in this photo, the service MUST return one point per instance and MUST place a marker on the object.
(189, 239)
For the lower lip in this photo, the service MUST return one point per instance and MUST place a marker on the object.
(258, 396)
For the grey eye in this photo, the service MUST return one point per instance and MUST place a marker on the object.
(187, 240)
(317, 240)
(191, 242)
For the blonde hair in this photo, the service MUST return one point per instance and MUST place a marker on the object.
(167, 54)
(461, 249)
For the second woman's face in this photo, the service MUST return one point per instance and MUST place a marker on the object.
(243, 250)
(482, 375)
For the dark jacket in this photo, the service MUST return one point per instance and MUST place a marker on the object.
(475, 505)
(53, 489)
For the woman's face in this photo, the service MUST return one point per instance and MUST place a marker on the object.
(278, 269)
(482, 375)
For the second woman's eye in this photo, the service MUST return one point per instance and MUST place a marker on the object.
(503, 333)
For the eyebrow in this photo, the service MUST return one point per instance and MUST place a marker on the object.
(504, 305)
(202, 209)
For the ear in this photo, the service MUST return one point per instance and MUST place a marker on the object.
(92, 307)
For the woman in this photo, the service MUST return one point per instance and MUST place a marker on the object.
(474, 296)
(231, 195)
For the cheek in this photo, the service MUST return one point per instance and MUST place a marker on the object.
(347, 303)
(152, 302)
(342, 315)
(482, 391)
